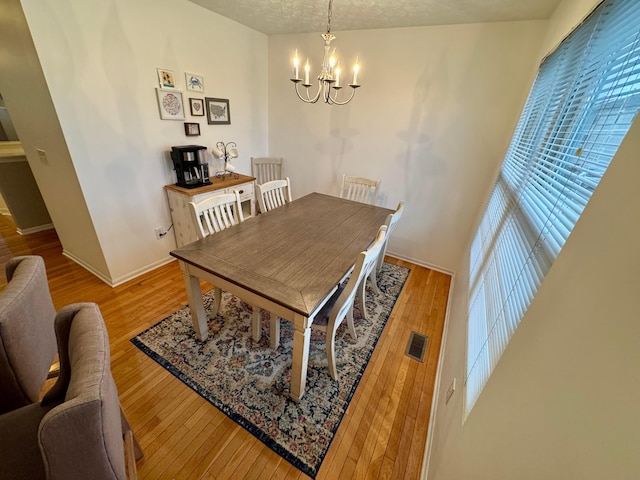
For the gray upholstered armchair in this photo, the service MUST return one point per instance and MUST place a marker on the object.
(76, 432)
(27, 339)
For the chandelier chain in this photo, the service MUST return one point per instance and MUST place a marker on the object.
(329, 16)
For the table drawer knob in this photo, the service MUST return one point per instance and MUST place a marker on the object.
(241, 192)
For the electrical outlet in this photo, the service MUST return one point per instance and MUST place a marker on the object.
(160, 232)
(452, 388)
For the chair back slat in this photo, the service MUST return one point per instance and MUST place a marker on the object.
(273, 194)
(215, 213)
(391, 222)
(364, 263)
(267, 169)
(359, 189)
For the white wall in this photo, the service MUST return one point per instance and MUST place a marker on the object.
(432, 120)
(99, 60)
(27, 97)
(562, 402)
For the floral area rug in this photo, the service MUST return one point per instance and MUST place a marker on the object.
(249, 381)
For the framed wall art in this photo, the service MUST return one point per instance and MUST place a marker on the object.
(166, 78)
(170, 104)
(217, 111)
(194, 82)
(192, 129)
(197, 107)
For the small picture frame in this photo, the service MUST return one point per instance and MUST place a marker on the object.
(194, 82)
(191, 129)
(166, 78)
(218, 111)
(170, 104)
(197, 107)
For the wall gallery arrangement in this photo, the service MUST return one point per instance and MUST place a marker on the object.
(171, 103)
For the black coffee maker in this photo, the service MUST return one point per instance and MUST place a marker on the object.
(190, 164)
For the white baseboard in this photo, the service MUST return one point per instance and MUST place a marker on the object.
(124, 278)
(87, 267)
(39, 228)
(420, 263)
(142, 271)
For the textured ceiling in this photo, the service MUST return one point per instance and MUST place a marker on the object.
(307, 16)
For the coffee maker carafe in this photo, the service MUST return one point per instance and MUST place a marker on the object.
(190, 164)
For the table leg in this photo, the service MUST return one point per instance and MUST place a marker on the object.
(301, 340)
(217, 300)
(256, 323)
(274, 329)
(198, 315)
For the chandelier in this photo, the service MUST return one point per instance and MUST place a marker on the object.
(329, 79)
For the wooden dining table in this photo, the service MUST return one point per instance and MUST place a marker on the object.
(288, 261)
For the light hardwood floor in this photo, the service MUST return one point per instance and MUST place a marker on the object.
(382, 435)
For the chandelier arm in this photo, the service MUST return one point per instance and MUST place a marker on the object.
(333, 100)
(308, 99)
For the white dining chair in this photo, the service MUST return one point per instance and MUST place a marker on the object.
(340, 305)
(214, 214)
(266, 169)
(390, 222)
(360, 189)
(273, 194)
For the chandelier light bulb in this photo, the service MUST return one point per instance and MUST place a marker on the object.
(296, 65)
(356, 69)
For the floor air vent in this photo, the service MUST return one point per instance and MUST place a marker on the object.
(417, 346)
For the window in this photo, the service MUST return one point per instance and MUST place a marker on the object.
(580, 107)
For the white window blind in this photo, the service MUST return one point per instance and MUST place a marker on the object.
(580, 107)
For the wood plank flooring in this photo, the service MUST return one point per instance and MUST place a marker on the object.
(382, 435)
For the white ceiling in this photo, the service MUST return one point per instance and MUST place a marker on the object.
(307, 16)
